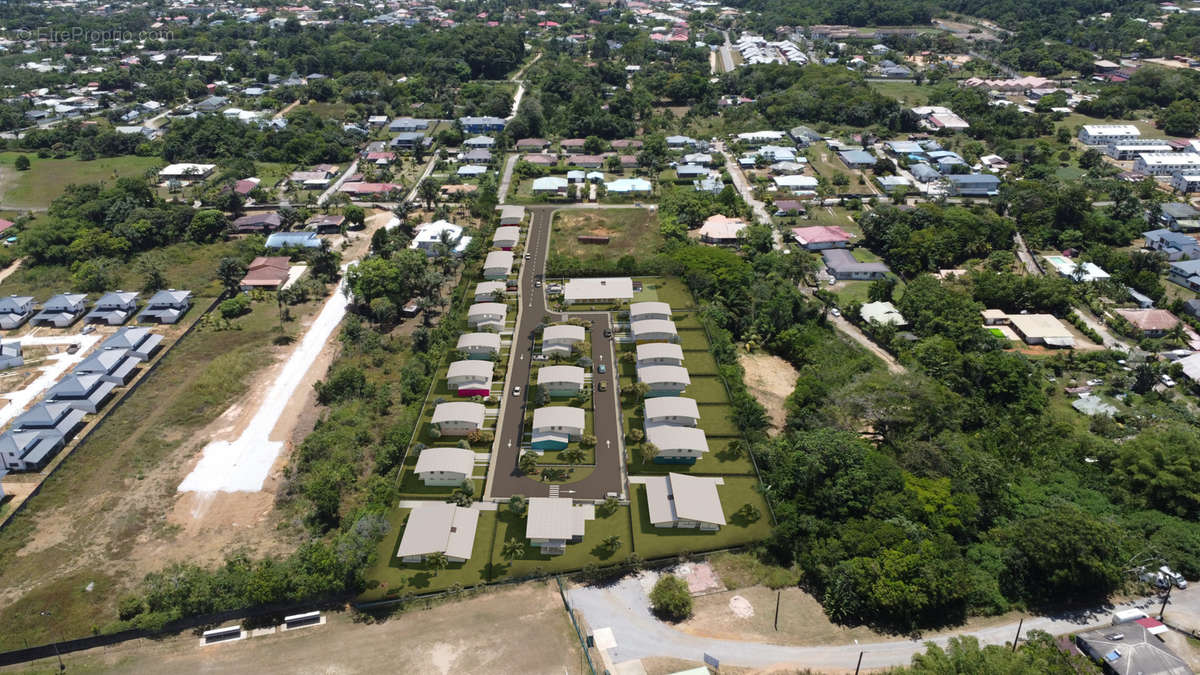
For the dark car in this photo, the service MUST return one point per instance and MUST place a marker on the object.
(607, 332)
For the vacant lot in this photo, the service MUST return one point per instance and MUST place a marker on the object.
(46, 178)
(630, 231)
(521, 629)
(904, 91)
(771, 380)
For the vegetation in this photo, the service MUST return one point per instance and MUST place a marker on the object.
(671, 599)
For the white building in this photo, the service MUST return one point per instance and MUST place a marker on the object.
(437, 527)
(882, 312)
(1103, 134)
(640, 311)
(485, 291)
(654, 330)
(445, 466)
(553, 522)
(498, 265)
(487, 315)
(659, 354)
(680, 500)
(677, 445)
(458, 418)
(672, 411)
(429, 237)
(186, 171)
(1167, 163)
(598, 290)
(560, 380)
(664, 380)
(795, 184)
(470, 377)
(479, 345)
(506, 237)
(562, 339)
(559, 420)
(511, 215)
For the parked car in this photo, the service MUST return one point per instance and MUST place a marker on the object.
(835, 311)
(1166, 379)
(1173, 577)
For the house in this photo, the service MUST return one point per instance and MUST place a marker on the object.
(186, 171)
(586, 161)
(994, 162)
(721, 230)
(1041, 329)
(857, 159)
(820, 237)
(924, 173)
(555, 426)
(10, 355)
(549, 185)
(1192, 308)
(561, 380)
(973, 184)
(1179, 216)
(789, 207)
(1186, 183)
(641, 311)
(653, 330)
(458, 418)
(795, 184)
(59, 419)
(138, 341)
(889, 183)
(1153, 323)
(598, 290)
(1175, 245)
(683, 501)
(553, 522)
(408, 124)
(113, 308)
(438, 527)
(629, 186)
(1167, 163)
(882, 312)
(506, 237)
(534, 144)
(260, 223)
(1104, 134)
(511, 215)
(698, 158)
(407, 140)
(326, 224)
(479, 345)
(61, 311)
(664, 380)
(485, 291)
(690, 171)
(562, 339)
(470, 377)
(540, 159)
(1066, 267)
(478, 156)
(430, 237)
(113, 365)
(212, 104)
(671, 410)
(87, 392)
(15, 310)
(677, 445)
(166, 307)
(485, 142)
(267, 273)
(842, 265)
(487, 315)
(937, 118)
(1186, 273)
(445, 466)
(659, 354)
(779, 154)
(1130, 648)
(498, 265)
(481, 125)
(1130, 149)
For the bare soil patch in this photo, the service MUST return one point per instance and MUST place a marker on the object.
(771, 380)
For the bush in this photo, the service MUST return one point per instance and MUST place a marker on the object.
(235, 306)
(670, 598)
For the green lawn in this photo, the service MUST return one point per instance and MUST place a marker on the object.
(658, 542)
(715, 420)
(718, 461)
(699, 362)
(396, 578)
(511, 526)
(909, 93)
(46, 178)
(670, 290)
(706, 389)
(631, 231)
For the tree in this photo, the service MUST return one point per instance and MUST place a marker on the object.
(428, 192)
(153, 278)
(383, 311)
(354, 215)
(572, 455)
(21, 163)
(648, 452)
(207, 226)
(518, 504)
(611, 543)
(748, 513)
(528, 463)
(437, 561)
(881, 290)
(230, 272)
(512, 548)
(670, 598)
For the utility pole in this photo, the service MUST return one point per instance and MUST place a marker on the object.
(1017, 638)
(1166, 598)
(856, 668)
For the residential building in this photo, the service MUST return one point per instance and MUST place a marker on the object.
(843, 266)
(15, 310)
(87, 392)
(1186, 273)
(882, 312)
(641, 311)
(534, 144)
(506, 237)
(1066, 267)
(470, 377)
(560, 380)
(1167, 163)
(1131, 648)
(113, 365)
(555, 426)
(408, 124)
(480, 142)
(138, 341)
(1175, 245)
(512, 215)
(445, 466)
(1186, 183)
(1131, 149)
(61, 311)
(478, 156)
(677, 445)
(924, 173)
(629, 186)
(267, 273)
(672, 411)
(690, 171)
(795, 184)
(598, 290)
(683, 501)
(549, 185)
(937, 118)
(11, 356)
(973, 184)
(659, 354)
(562, 339)
(257, 223)
(481, 125)
(664, 380)
(485, 291)
(721, 230)
(1041, 329)
(186, 171)
(326, 224)
(1153, 323)
(438, 527)
(431, 236)
(1179, 216)
(654, 330)
(820, 237)
(165, 307)
(113, 308)
(1105, 134)
(487, 315)
(858, 159)
(498, 265)
(479, 345)
(458, 418)
(554, 522)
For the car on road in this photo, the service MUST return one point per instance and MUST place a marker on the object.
(835, 311)
(608, 332)
(537, 284)
(603, 385)
(602, 369)
(516, 391)
(90, 328)
(527, 256)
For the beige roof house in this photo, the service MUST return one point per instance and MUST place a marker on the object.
(437, 527)
(680, 500)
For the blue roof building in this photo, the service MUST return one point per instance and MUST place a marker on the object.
(306, 239)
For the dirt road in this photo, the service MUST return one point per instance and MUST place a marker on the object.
(857, 335)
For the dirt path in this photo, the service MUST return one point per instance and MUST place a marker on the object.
(286, 109)
(8, 271)
(770, 379)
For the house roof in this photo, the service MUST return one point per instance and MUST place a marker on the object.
(670, 374)
(119, 298)
(564, 332)
(107, 361)
(267, 270)
(1043, 326)
(679, 496)
(556, 518)
(1130, 649)
(65, 299)
(598, 288)
(558, 416)
(506, 233)
(549, 183)
(645, 326)
(882, 312)
(502, 259)
(510, 211)
(651, 307)
(438, 527)
(667, 437)
(548, 374)
(129, 337)
(169, 297)
(472, 368)
(722, 227)
(671, 406)
(453, 460)
(458, 411)
(306, 239)
(820, 234)
(487, 308)
(843, 260)
(659, 350)
(14, 304)
(1147, 320)
(491, 340)
(489, 287)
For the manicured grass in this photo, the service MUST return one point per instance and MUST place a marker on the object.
(691, 340)
(906, 92)
(511, 526)
(715, 420)
(865, 255)
(670, 290)
(706, 389)
(631, 231)
(46, 178)
(852, 291)
(718, 461)
(658, 542)
(397, 578)
(412, 487)
(699, 362)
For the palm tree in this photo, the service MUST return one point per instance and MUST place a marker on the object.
(428, 191)
(612, 543)
(512, 548)
(648, 452)
(1177, 334)
(572, 456)
(518, 504)
(528, 463)
(438, 561)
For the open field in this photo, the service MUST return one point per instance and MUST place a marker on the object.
(632, 231)
(519, 629)
(670, 290)
(905, 91)
(770, 380)
(46, 178)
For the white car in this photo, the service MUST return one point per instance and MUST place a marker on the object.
(516, 391)
(835, 311)
(1166, 379)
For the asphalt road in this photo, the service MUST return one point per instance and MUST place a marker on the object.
(506, 479)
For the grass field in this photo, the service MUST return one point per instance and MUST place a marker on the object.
(718, 461)
(46, 178)
(909, 93)
(657, 542)
(511, 526)
(631, 231)
(670, 290)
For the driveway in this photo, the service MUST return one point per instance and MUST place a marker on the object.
(852, 331)
(743, 188)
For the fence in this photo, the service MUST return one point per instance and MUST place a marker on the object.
(583, 644)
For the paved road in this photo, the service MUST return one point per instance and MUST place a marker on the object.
(624, 608)
(337, 184)
(504, 479)
(1025, 256)
(506, 177)
(726, 55)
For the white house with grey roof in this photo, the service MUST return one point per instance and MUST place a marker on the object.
(561, 380)
(29, 450)
(506, 237)
(61, 311)
(683, 501)
(644, 311)
(677, 445)
(664, 380)
(479, 345)
(10, 355)
(113, 308)
(562, 339)
(671, 411)
(140, 342)
(86, 392)
(15, 310)
(659, 354)
(511, 214)
(470, 377)
(555, 426)
(654, 330)
(487, 315)
(554, 522)
(166, 306)
(438, 527)
(445, 466)
(112, 365)
(598, 290)
(497, 265)
(485, 291)
(458, 418)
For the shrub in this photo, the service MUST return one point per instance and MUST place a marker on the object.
(235, 306)
(670, 598)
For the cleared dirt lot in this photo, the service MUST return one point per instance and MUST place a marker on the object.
(770, 379)
(522, 629)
